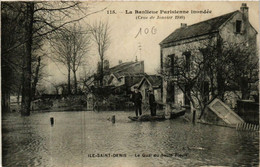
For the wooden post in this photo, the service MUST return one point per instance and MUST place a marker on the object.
(243, 126)
(52, 121)
(194, 116)
(113, 119)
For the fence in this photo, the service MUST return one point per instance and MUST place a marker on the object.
(247, 127)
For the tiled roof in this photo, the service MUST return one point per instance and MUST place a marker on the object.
(198, 29)
(122, 66)
(154, 80)
(123, 69)
(135, 77)
(121, 74)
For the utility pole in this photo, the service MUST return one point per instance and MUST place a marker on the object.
(140, 49)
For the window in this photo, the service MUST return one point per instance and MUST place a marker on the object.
(238, 26)
(146, 94)
(187, 60)
(171, 64)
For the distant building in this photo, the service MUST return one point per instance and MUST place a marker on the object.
(116, 76)
(150, 82)
(118, 84)
(233, 27)
(123, 75)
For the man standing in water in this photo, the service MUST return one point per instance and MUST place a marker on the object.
(137, 99)
(152, 103)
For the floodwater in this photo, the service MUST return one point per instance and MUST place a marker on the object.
(89, 139)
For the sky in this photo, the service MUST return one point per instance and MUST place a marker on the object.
(133, 37)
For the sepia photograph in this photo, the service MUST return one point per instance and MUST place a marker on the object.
(129, 83)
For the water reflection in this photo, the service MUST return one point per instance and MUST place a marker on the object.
(32, 141)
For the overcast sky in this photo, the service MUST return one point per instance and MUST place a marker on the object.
(124, 28)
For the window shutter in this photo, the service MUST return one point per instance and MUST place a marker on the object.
(243, 27)
(234, 27)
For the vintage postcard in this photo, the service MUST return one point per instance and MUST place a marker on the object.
(130, 84)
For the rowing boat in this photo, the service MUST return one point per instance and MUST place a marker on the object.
(144, 118)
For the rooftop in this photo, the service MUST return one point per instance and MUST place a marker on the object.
(154, 80)
(123, 66)
(202, 28)
(126, 69)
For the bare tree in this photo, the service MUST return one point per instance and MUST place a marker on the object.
(70, 47)
(12, 63)
(37, 73)
(211, 70)
(190, 77)
(241, 68)
(37, 20)
(81, 46)
(100, 35)
(63, 48)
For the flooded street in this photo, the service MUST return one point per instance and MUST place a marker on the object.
(89, 139)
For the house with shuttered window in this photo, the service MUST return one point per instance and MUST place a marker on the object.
(232, 27)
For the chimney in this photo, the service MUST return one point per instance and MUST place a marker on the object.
(244, 10)
(120, 62)
(106, 65)
(183, 25)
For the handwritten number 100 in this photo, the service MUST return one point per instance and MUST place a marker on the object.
(152, 30)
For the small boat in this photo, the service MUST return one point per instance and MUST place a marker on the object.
(144, 118)
(174, 115)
